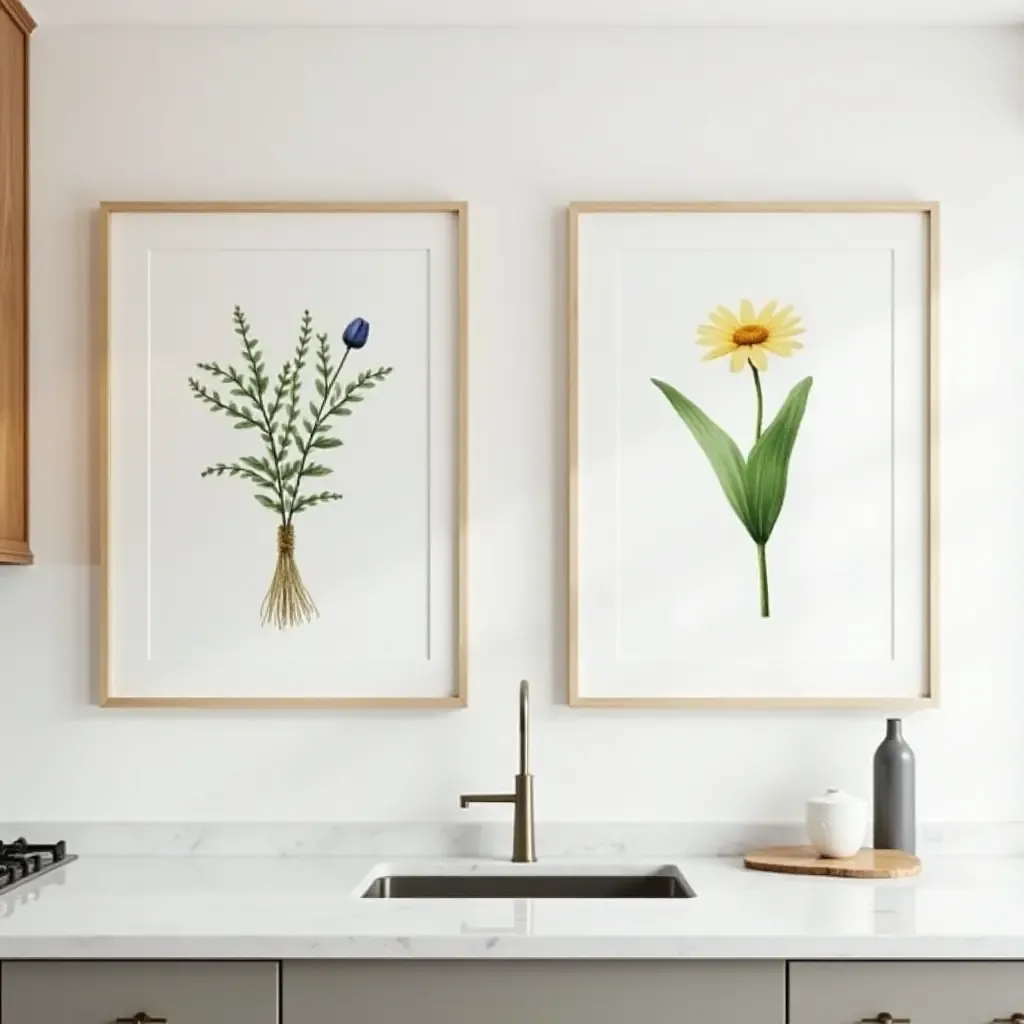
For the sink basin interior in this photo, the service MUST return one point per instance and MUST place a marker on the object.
(660, 883)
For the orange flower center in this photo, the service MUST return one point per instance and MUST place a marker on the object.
(750, 334)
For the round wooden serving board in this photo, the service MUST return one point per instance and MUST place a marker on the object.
(804, 860)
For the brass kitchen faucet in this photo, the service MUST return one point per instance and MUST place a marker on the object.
(523, 849)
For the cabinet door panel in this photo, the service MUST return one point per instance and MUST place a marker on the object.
(13, 303)
(99, 992)
(533, 992)
(925, 993)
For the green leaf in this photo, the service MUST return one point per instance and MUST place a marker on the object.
(260, 465)
(320, 389)
(720, 449)
(315, 469)
(328, 442)
(270, 503)
(768, 464)
(311, 500)
(245, 425)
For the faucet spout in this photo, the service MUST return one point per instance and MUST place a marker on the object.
(524, 728)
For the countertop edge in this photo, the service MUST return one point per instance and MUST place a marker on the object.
(509, 948)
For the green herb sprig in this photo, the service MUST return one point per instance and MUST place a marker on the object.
(289, 437)
(293, 438)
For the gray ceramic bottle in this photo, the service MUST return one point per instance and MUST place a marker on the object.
(895, 819)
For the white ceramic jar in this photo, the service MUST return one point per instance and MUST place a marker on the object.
(836, 823)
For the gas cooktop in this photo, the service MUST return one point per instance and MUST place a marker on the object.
(22, 861)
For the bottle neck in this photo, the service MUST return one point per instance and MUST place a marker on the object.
(894, 729)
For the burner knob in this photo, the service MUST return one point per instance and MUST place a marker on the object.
(142, 1018)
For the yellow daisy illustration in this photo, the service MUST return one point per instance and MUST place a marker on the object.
(754, 486)
(746, 337)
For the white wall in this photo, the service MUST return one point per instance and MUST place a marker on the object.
(518, 123)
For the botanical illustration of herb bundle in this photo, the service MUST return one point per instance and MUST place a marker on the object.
(755, 486)
(293, 438)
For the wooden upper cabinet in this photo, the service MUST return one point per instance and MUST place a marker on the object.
(15, 26)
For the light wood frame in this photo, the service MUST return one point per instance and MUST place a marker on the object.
(930, 699)
(460, 697)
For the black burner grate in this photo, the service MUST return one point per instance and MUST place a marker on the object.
(21, 860)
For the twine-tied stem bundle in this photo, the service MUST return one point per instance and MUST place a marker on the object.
(288, 602)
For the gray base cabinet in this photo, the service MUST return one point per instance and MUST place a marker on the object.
(924, 993)
(512, 992)
(533, 992)
(101, 992)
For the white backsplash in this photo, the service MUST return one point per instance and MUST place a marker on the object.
(344, 114)
(209, 839)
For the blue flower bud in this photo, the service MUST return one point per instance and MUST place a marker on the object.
(357, 333)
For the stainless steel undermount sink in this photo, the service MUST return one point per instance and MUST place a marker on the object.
(662, 883)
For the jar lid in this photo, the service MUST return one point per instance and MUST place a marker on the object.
(835, 795)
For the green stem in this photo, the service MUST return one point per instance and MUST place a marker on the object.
(762, 558)
(762, 573)
(207, 397)
(760, 403)
(268, 424)
(312, 434)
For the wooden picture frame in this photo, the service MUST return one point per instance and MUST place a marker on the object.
(436, 231)
(918, 686)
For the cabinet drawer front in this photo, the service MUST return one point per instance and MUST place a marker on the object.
(924, 993)
(97, 992)
(533, 992)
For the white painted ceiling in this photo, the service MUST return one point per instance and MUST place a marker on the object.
(526, 12)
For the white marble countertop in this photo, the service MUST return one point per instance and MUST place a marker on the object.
(309, 907)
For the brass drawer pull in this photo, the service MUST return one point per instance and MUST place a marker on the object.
(1017, 1018)
(141, 1018)
(888, 1018)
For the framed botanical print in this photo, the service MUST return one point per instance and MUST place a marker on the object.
(284, 478)
(752, 454)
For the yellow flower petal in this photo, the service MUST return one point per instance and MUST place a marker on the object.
(723, 318)
(782, 348)
(747, 315)
(790, 321)
(715, 353)
(780, 317)
(788, 332)
(712, 335)
(765, 316)
(739, 359)
(758, 358)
